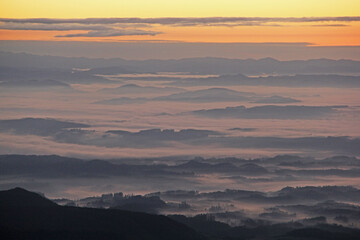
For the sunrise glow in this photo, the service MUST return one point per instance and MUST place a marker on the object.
(322, 22)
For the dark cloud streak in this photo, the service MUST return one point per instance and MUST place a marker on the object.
(52, 27)
(191, 20)
(112, 33)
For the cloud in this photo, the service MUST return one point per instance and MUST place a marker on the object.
(111, 27)
(330, 25)
(95, 30)
(51, 27)
(112, 33)
(184, 21)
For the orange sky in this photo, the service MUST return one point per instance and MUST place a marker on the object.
(324, 33)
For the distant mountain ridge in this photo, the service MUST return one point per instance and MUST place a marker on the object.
(192, 65)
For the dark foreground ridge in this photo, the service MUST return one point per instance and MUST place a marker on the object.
(27, 215)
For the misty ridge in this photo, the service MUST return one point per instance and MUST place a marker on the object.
(192, 102)
(191, 65)
(204, 95)
(137, 89)
(47, 166)
(269, 112)
(73, 132)
(36, 84)
(19, 75)
(38, 126)
(268, 168)
(216, 204)
(297, 80)
(311, 73)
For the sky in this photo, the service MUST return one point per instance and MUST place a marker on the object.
(318, 23)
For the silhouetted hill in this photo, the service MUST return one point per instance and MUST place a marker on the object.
(325, 232)
(141, 204)
(27, 215)
(19, 197)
